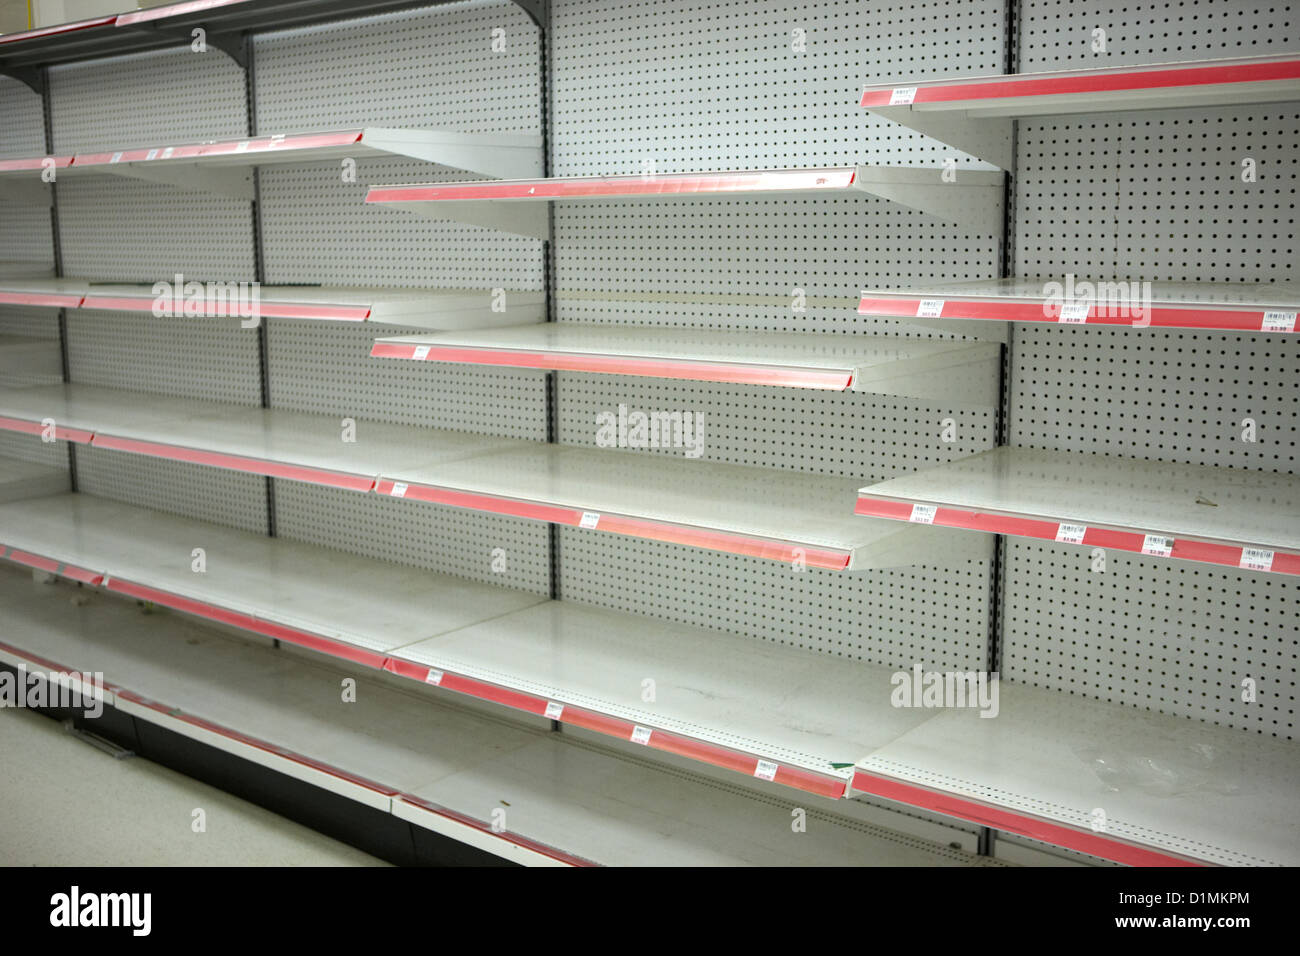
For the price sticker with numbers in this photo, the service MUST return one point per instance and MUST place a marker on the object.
(434, 677)
(766, 770)
(589, 519)
(421, 352)
(1071, 533)
(1074, 313)
(902, 96)
(640, 735)
(929, 308)
(1158, 545)
(1279, 322)
(399, 489)
(1256, 559)
(923, 514)
(553, 710)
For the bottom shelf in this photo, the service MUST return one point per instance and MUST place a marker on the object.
(524, 794)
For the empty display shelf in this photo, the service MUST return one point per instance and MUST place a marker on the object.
(1227, 516)
(973, 200)
(415, 308)
(223, 166)
(764, 711)
(46, 293)
(274, 442)
(1106, 779)
(953, 372)
(1231, 306)
(779, 515)
(974, 114)
(445, 769)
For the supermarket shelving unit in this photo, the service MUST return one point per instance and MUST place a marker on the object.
(436, 513)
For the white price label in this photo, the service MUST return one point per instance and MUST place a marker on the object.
(433, 677)
(553, 710)
(399, 489)
(1279, 322)
(1071, 533)
(589, 519)
(1256, 559)
(421, 352)
(116, 158)
(242, 147)
(1158, 545)
(152, 154)
(929, 309)
(167, 153)
(1074, 313)
(766, 770)
(902, 96)
(640, 735)
(923, 514)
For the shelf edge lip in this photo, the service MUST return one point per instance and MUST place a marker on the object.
(58, 29)
(1037, 828)
(1225, 552)
(953, 93)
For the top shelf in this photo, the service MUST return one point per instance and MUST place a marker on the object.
(137, 31)
(973, 200)
(965, 112)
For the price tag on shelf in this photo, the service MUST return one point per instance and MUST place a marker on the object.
(553, 710)
(1071, 533)
(640, 735)
(421, 352)
(152, 154)
(923, 514)
(929, 309)
(902, 96)
(242, 147)
(1158, 545)
(433, 677)
(399, 489)
(1256, 559)
(589, 519)
(1278, 322)
(766, 770)
(167, 153)
(115, 158)
(1074, 313)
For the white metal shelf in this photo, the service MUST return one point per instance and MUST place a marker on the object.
(275, 442)
(417, 308)
(779, 515)
(1230, 306)
(975, 114)
(1242, 519)
(1107, 779)
(224, 166)
(796, 719)
(802, 519)
(46, 293)
(442, 768)
(973, 200)
(952, 372)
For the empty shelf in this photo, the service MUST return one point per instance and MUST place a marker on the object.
(443, 768)
(416, 308)
(223, 166)
(50, 293)
(1231, 306)
(760, 512)
(25, 479)
(974, 113)
(764, 711)
(1119, 783)
(1242, 519)
(973, 200)
(956, 372)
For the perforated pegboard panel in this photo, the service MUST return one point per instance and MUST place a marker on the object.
(447, 540)
(208, 494)
(1156, 196)
(30, 448)
(25, 234)
(326, 367)
(701, 84)
(196, 357)
(1058, 34)
(317, 228)
(31, 323)
(733, 94)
